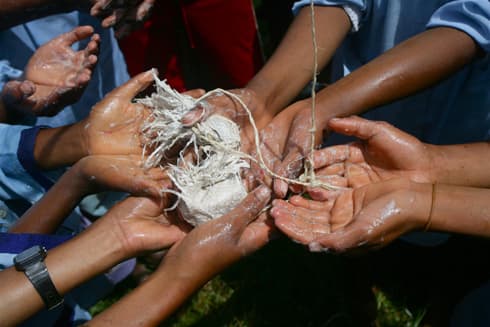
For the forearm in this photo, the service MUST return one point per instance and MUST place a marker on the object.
(59, 147)
(70, 264)
(17, 12)
(44, 217)
(462, 210)
(461, 164)
(291, 66)
(412, 66)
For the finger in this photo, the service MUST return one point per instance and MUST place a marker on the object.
(361, 128)
(135, 85)
(340, 241)
(333, 169)
(15, 92)
(99, 7)
(330, 155)
(301, 225)
(195, 115)
(290, 168)
(144, 10)
(92, 50)
(300, 201)
(195, 93)
(321, 194)
(75, 35)
(249, 208)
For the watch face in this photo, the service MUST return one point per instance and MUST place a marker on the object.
(32, 255)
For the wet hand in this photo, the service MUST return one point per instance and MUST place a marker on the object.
(121, 173)
(369, 217)
(55, 76)
(113, 126)
(140, 226)
(383, 152)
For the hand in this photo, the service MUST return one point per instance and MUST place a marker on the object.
(298, 145)
(140, 226)
(121, 173)
(55, 76)
(113, 126)
(224, 105)
(211, 247)
(273, 139)
(368, 217)
(383, 152)
(123, 15)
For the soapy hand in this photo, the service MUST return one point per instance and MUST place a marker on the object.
(55, 76)
(140, 225)
(382, 153)
(368, 217)
(121, 173)
(212, 246)
(113, 126)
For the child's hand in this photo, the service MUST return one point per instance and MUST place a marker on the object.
(121, 173)
(383, 152)
(211, 247)
(226, 106)
(55, 76)
(113, 126)
(123, 15)
(368, 217)
(140, 226)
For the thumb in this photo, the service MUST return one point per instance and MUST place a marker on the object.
(135, 85)
(194, 116)
(355, 126)
(17, 91)
(75, 35)
(249, 208)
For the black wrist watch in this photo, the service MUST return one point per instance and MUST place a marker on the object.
(31, 262)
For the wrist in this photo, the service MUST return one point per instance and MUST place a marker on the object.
(89, 254)
(422, 204)
(58, 147)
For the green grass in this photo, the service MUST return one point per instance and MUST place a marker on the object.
(285, 285)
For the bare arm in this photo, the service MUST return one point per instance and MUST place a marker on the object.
(204, 252)
(132, 226)
(413, 65)
(291, 66)
(87, 176)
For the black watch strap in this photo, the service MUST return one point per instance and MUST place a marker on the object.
(31, 262)
(39, 277)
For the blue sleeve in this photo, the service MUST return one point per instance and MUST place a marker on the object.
(7, 73)
(360, 5)
(15, 181)
(469, 16)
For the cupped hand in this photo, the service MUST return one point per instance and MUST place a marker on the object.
(140, 226)
(121, 173)
(298, 145)
(225, 105)
(123, 15)
(113, 126)
(371, 216)
(273, 138)
(382, 153)
(55, 76)
(211, 247)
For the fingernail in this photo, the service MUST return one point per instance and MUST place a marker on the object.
(334, 119)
